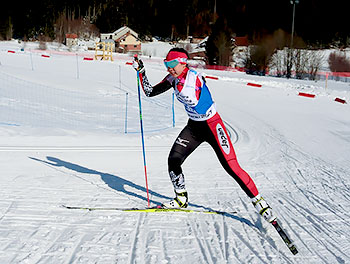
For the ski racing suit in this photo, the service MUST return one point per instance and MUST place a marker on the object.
(204, 125)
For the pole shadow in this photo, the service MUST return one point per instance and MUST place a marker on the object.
(118, 183)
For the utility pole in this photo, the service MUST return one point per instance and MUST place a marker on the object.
(290, 51)
(214, 15)
(214, 20)
(293, 2)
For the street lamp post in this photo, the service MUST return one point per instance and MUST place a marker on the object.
(293, 2)
(290, 50)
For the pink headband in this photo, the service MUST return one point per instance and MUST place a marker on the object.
(172, 55)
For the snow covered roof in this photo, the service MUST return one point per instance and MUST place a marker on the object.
(124, 30)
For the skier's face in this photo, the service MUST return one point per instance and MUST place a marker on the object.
(177, 70)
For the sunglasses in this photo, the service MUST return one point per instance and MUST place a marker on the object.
(174, 63)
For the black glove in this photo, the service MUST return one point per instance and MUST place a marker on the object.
(138, 65)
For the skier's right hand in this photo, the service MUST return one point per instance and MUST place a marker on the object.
(138, 65)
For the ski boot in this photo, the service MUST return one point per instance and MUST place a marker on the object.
(180, 201)
(263, 208)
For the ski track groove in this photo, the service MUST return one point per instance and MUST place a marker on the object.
(248, 245)
(261, 231)
(304, 172)
(270, 236)
(6, 210)
(202, 247)
(216, 229)
(224, 241)
(314, 226)
(135, 238)
(163, 247)
(75, 249)
(215, 236)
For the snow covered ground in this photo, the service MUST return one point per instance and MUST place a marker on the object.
(63, 141)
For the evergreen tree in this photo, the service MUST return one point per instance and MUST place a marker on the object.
(219, 44)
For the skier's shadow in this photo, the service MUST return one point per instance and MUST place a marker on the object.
(117, 183)
(113, 181)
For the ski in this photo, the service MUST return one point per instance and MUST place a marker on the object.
(159, 209)
(284, 237)
(156, 209)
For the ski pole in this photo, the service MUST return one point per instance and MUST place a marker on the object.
(142, 137)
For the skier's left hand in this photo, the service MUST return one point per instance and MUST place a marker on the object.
(138, 65)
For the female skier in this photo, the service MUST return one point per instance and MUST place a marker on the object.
(204, 124)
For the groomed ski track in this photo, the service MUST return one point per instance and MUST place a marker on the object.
(292, 160)
(36, 230)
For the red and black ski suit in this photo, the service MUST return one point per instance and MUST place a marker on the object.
(204, 125)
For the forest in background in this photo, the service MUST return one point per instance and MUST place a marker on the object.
(317, 22)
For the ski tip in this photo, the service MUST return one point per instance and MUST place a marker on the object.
(285, 237)
(294, 250)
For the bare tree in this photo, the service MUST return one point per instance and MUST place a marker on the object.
(259, 57)
(224, 47)
(338, 62)
(266, 53)
(288, 62)
(276, 63)
(306, 63)
(294, 58)
(315, 59)
(300, 61)
(80, 26)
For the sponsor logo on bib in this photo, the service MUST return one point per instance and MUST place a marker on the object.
(223, 139)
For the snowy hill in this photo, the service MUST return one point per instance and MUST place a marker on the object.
(63, 142)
